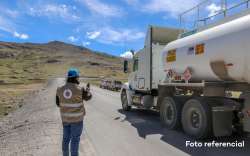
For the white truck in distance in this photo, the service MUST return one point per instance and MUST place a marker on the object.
(186, 77)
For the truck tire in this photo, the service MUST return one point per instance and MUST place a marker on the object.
(124, 100)
(197, 118)
(170, 113)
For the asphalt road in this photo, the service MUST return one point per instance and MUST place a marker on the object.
(114, 132)
(35, 129)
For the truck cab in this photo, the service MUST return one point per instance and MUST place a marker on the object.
(147, 67)
(141, 90)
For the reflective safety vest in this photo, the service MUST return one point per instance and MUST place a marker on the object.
(71, 103)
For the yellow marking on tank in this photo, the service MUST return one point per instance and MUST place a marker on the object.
(171, 56)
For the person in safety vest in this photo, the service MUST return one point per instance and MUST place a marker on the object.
(69, 98)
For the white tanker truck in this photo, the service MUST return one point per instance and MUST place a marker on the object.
(187, 77)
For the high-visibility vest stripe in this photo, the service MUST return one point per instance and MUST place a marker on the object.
(73, 105)
(72, 109)
(72, 114)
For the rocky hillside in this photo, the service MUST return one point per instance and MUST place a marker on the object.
(27, 62)
(25, 67)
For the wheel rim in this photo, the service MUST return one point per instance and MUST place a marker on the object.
(195, 118)
(169, 113)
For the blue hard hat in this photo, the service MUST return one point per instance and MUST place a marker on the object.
(73, 72)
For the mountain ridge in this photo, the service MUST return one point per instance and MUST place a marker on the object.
(26, 62)
(51, 44)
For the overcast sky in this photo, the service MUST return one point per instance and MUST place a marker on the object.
(111, 26)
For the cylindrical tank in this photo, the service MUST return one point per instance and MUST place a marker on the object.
(220, 53)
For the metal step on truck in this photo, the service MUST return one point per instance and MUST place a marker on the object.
(188, 74)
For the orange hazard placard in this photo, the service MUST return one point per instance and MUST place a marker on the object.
(171, 56)
(199, 49)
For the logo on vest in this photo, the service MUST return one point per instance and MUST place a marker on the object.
(67, 94)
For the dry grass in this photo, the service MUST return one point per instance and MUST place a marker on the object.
(12, 96)
(35, 64)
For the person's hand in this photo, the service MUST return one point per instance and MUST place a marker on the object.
(86, 93)
(88, 87)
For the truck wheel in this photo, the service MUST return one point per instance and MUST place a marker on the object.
(124, 100)
(196, 118)
(170, 113)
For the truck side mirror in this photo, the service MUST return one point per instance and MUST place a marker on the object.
(125, 66)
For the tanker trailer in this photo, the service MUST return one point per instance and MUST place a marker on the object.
(187, 80)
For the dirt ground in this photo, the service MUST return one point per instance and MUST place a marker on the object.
(12, 96)
(35, 129)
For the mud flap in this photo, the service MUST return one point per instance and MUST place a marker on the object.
(222, 121)
(246, 111)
